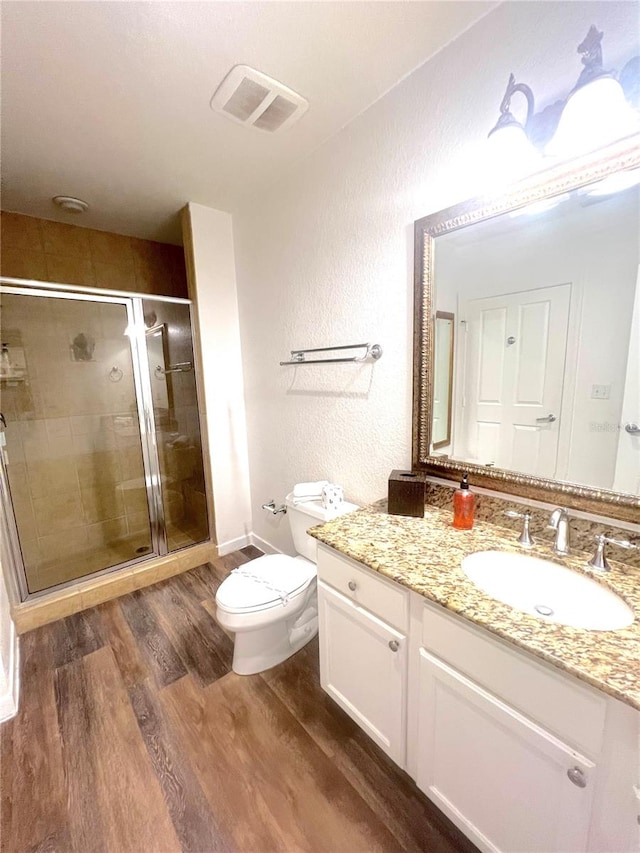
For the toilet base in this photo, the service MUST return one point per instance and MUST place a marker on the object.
(258, 650)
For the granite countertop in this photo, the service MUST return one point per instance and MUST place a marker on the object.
(425, 555)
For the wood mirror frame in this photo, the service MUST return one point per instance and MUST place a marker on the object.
(561, 179)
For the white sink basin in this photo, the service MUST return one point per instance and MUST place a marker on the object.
(547, 590)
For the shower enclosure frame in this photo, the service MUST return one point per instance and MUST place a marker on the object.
(136, 332)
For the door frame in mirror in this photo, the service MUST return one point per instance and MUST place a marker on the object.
(622, 156)
(446, 315)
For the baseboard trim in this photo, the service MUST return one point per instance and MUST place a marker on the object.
(234, 544)
(263, 545)
(9, 700)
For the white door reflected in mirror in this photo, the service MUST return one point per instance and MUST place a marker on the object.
(546, 356)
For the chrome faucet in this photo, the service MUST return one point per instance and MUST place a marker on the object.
(559, 522)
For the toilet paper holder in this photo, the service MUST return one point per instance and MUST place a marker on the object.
(271, 507)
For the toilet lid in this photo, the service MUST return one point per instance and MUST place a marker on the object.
(264, 582)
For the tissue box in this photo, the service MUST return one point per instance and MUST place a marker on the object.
(406, 494)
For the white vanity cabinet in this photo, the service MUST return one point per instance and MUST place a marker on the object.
(520, 756)
(508, 783)
(363, 648)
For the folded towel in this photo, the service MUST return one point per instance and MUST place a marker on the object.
(309, 490)
(308, 500)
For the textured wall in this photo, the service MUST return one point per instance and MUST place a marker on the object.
(212, 278)
(68, 254)
(325, 257)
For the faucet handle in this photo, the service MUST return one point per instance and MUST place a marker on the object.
(525, 537)
(599, 560)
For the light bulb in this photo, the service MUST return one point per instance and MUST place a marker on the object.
(595, 115)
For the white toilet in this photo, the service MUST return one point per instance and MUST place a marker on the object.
(271, 604)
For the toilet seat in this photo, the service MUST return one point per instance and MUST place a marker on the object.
(270, 581)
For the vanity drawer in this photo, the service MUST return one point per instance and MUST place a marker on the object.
(385, 599)
(558, 702)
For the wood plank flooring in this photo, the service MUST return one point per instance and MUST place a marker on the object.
(134, 736)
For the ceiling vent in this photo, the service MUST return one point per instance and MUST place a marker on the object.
(250, 97)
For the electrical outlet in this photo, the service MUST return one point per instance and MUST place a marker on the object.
(600, 392)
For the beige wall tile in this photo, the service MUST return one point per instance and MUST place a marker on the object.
(98, 467)
(58, 428)
(20, 232)
(69, 269)
(23, 263)
(114, 260)
(101, 502)
(18, 483)
(114, 276)
(106, 532)
(62, 239)
(111, 248)
(130, 461)
(138, 522)
(135, 500)
(64, 545)
(48, 477)
(35, 449)
(57, 513)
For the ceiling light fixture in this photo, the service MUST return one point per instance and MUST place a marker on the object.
(70, 204)
(601, 108)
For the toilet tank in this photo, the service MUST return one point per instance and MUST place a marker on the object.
(302, 516)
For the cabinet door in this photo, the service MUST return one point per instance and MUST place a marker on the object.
(363, 667)
(500, 778)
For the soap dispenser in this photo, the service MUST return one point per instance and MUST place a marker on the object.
(463, 505)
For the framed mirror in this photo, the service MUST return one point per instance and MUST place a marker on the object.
(541, 287)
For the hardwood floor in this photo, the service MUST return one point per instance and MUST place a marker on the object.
(134, 735)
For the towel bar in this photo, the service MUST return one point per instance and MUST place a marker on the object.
(373, 351)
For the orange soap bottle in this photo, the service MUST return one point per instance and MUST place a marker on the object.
(463, 505)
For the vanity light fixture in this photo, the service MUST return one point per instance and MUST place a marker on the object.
(601, 108)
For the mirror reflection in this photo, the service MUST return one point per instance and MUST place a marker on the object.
(442, 378)
(546, 345)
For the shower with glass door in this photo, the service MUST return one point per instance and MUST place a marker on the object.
(102, 462)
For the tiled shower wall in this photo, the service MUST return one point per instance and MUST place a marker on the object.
(68, 254)
(75, 465)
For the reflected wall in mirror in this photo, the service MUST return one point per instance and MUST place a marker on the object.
(442, 379)
(544, 284)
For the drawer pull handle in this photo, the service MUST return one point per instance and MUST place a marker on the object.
(577, 777)
(352, 586)
(394, 645)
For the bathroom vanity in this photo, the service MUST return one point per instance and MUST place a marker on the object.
(522, 731)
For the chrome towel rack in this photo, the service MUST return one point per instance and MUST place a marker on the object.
(298, 356)
(181, 367)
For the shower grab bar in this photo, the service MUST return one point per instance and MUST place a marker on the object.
(181, 367)
(373, 351)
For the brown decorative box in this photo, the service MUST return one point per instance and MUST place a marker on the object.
(406, 494)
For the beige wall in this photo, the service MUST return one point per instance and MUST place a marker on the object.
(68, 254)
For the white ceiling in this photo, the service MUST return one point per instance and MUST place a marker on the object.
(109, 101)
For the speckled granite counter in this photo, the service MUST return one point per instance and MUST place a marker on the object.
(425, 555)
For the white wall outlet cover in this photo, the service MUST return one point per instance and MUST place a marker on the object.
(249, 97)
(600, 392)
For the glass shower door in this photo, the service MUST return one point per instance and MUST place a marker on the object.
(170, 357)
(75, 458)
